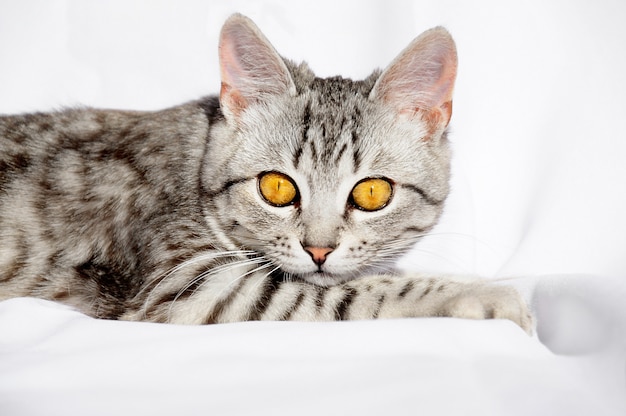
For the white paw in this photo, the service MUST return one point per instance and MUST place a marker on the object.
(490, 302)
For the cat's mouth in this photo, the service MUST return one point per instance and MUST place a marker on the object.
(317, 274)
(325, 279)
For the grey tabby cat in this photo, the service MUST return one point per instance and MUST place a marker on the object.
(288, 197)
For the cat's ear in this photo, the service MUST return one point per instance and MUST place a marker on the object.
(251, 69)
(421, 79)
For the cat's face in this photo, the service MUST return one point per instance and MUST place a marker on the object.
(326, 178)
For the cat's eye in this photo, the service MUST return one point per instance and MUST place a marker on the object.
(371, 194)
(277, 189)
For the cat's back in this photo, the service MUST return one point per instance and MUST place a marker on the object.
(93, 190)
(35, 144)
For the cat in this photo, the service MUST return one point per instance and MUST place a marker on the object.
(286, 197)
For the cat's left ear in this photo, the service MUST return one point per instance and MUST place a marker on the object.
(421, 79)
(251, 69)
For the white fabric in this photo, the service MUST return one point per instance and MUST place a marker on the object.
(539, 194)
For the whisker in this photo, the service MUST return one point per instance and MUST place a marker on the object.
(269, 264)
(196, 259)
(397, 248)
(216, 270)
(154, 285)
(206, 275)
(468, 237)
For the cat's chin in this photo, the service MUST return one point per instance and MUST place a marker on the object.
(325, 279)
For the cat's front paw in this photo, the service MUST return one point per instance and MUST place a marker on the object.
(489, 302)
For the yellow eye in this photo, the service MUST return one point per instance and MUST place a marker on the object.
(277, 189)
(372, 194)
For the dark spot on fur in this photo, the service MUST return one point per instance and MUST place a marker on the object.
(113, 284)
(211, 108)
(406, 289)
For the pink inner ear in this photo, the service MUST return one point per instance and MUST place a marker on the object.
(251, 69)
(436, 118)
(421, 79)
(231, 73)
(446, 111)
(232, 99)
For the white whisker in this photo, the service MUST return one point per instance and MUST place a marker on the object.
(214, 271)
(261, 280)
(203, 257)
(205, 277)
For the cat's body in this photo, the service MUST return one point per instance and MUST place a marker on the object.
(287, 198)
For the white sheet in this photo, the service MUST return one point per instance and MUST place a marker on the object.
(538, 191)
(55, 361)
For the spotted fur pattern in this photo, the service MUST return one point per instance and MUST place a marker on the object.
(157, 216)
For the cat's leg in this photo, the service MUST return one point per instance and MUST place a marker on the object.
(259, 297)
(471, 299)
(249, 293)
(402, 296)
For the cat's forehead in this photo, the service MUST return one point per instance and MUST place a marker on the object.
(331, 91)
(330, 130)
(337, 89)
(333, 106)
(336, 101)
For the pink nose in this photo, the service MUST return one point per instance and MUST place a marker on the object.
(318, 254)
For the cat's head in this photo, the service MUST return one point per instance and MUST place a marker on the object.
(328, 177)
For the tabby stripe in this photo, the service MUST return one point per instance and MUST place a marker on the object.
(421, 193)
(341, 310)
(431, 283)
(356, 154)
(162, 300)
(306, 122)
(215, 313)
(227, 186)
(413, 229)
(263, 300)
(379, 305)
(294, 307)
(406, 289)
(17, 165)
(296, 156)
(313, 150)
(340, 153)
(178, 294)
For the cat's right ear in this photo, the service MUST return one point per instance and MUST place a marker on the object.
(251, 69)
(419, 82)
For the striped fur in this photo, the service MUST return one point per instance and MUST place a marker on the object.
(157, 216)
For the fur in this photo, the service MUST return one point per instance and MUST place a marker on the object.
(158, 216)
